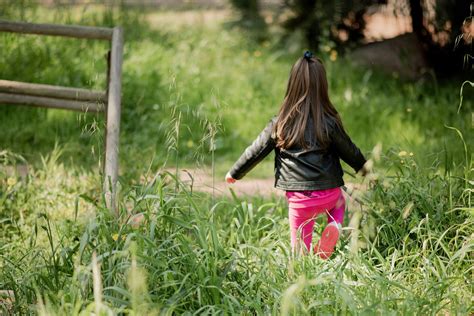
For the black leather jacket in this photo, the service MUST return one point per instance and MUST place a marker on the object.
(298, 169)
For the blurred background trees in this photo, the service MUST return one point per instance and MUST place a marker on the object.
(338, 21)
(249, 13)
(436, 24)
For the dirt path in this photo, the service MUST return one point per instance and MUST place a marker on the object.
(201, 181)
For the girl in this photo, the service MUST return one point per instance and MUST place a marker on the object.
(308, 139)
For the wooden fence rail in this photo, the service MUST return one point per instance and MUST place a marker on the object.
(52, 91)
(44, 102)
(100, 33)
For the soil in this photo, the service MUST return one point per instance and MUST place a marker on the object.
(202, 181)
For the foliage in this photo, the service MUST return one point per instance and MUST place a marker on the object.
(250, 20)
(340, 24)
(198, 94)
(220, 74)
(249, 10)
(173, 252)
(323, 21)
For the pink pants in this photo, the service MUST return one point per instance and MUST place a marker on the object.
(304, 206)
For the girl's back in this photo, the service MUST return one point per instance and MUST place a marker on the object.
(308, 139)
(307, 135)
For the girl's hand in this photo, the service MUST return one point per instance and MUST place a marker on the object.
(229, 179)
(367, 168)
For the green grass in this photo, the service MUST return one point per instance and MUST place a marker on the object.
(207, 72)
(408, 250)
(233, 256)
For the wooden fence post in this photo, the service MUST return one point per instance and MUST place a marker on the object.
(12, 92)
(113, 120)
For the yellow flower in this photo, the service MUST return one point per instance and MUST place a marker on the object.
(115, 237)
(402, 154)
(190, 143)
(11, 181)
(411, 154)
(333, 55)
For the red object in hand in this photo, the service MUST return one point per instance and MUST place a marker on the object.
(229, 179)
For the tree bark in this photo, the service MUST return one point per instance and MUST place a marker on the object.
(416, 13)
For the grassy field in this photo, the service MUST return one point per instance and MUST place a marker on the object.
(196, 92)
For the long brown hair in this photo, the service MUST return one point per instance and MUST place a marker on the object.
(306, 96)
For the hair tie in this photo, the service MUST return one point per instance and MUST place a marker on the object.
(308, 55)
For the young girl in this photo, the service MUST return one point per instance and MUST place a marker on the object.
(308, 139)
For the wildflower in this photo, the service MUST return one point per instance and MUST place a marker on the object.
(11, 181)
(411, 154)
(257, 53)
(409, 110)
(333, 55)
(115, 237)
(402, 154)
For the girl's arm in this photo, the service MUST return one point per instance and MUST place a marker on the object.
(346, 149)
(255, 153)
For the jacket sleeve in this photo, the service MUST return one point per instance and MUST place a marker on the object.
(255, 153)
(346, 149)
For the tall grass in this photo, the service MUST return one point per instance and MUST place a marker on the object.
(196, 96)
(234, 257)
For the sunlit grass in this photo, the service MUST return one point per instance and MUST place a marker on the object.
(188, 91)
(412, 255)
(204, 71)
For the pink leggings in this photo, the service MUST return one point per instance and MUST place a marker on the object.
(304, 206)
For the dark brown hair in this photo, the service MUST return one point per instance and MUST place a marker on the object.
(306, 96)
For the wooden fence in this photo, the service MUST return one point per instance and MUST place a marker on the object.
(20, 93)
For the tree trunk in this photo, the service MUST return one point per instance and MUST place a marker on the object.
(416, 13)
